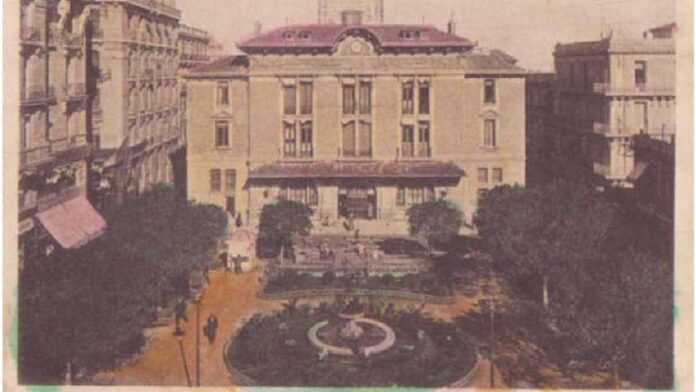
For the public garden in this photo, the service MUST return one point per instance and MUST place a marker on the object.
(534, 302)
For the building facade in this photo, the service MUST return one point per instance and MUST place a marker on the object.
(543, 145)
(135, 59)
(54, 129)
(193, 46)
(361, 11)
(610, 90)
(355, 121)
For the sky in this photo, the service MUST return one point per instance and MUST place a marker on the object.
(526, 29)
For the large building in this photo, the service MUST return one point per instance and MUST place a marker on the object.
(136, 57)
(355, 11)
(355, 121)
(193, 46)
(54, 132)
(612, 89)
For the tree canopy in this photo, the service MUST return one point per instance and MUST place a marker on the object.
(437, 221)
(89, 306)
(279, 223)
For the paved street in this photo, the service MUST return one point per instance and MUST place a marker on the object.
(232, 298)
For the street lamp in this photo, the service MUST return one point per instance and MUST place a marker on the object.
(197, 301)
(179, 333)
(490, 291)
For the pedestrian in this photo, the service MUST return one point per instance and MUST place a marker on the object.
(180, 313)
(210, 329)
(224, 260)
(238, 265)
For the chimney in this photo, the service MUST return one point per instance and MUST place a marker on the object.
(452, 26)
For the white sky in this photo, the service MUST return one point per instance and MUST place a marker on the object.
(527, 29)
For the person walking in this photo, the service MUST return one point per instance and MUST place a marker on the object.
(210, 329)
(224, 260)
(180, 314)
(237, 264)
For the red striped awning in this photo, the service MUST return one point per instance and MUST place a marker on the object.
(73, 223)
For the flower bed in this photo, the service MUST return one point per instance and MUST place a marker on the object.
(274, 350)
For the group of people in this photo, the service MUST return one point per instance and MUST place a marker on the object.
(226, 262)
(211, 325)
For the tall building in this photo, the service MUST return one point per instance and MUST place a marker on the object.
(612, 89)
(135, 59)
(542, 143)
(54, 129)
(193, 46)
(355, 121)
(364, 11)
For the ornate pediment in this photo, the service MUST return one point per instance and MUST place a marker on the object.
(222, 114)
(355, 46)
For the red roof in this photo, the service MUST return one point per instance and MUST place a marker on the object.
(370, 169)
(229, 64)
(326, 36)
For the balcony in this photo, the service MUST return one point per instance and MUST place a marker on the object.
(30, 34)
(76, 89)
(37, 94)
(415, 150)
(637, 89)
(35, 155)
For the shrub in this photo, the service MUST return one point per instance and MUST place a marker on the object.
(437, 221)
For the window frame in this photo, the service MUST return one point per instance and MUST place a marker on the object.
(215, 180)
(424, 99)
(494, 135)
(490, 93)
(218, 139)
(497, 175)
(223, 100)
(349, 99)
(408, 97)
(640, 67)
(483, 175)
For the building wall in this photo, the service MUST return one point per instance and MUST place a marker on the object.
(601, 101)
(136, 57)
(256, 112)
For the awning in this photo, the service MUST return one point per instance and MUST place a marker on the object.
(73, 223)
(372, 169)
(637, 171)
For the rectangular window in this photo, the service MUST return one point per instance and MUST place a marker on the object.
(306, 148)
(304, 193)
(365, 97)
(365, 139)
(223, 94)
(306, 98)
(489, 91)
(409, 195)
(289, 140)
(424, 98)
(349, 139)
(215, 180)
(407, 98)
(641, 73)
(230, 181)
(222, 133)
(407, 144)
(423, 148)
(497, 175)
(290, 100)
(483, 175)
(348, 99)
(489, 133)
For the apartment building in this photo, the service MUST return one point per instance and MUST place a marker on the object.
(612, 89)
(355, 121)
(193, 46)
(135, 58)
(54, 133)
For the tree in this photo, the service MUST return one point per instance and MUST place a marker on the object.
(279, 224)
(545, 233)
(437, 221)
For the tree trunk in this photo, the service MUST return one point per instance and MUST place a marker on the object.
(546, 292)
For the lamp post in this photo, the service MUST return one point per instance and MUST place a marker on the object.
(197, 300)
(179, 333)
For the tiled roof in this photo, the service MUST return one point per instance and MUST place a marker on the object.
(326, 36)
(229, 64)
(492, 61)
(372, 169)
(668, 26)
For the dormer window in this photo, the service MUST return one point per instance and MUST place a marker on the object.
(408, 34)
(288, 35)
(304, 35)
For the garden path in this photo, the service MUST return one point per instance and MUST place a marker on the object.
(232, 298)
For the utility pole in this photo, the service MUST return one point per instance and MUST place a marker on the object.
(180, 338)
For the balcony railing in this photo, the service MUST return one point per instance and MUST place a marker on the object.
(30, 34)
(38, 93)
(415, 150)
(76, 89)
(639, 88)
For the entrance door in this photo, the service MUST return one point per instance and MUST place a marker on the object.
(358, 202)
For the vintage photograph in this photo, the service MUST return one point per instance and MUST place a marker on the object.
(345, 193)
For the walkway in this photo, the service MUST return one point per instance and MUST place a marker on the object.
(233, 299)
